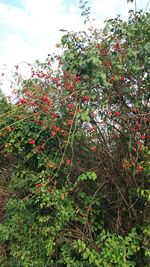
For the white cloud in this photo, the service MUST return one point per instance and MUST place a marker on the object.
(111, 8)
(35, 29)
(31, 31)
(104, 8)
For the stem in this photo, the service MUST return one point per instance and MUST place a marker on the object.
(135, 6)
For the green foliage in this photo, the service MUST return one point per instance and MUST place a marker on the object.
(112, 250)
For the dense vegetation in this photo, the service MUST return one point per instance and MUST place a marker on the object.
(76, 145)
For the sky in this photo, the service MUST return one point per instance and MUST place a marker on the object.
(30, 29)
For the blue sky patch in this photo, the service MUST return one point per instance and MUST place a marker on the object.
(16, 3)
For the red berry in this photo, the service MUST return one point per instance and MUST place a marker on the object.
(31, 141)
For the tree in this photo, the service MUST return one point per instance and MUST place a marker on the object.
(80, 141)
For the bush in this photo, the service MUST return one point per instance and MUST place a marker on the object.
(79, 138)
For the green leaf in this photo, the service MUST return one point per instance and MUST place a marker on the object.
(147, 47)
(87, 176)
(85, 116)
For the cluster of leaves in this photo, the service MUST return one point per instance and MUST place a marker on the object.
(79, 140)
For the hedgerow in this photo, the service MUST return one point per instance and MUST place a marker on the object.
(78, 142)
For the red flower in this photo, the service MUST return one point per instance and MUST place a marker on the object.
(46, 99)
(56, 81)
(107, 64)
(117, 46)
(53, 133)
(93, 148)
(117, 114)
(55, 128)
(55, 166)
(86, 98)
(31, 141)
(48, 164)
(50, 189)
(22, 101)
(104, 52)
(45, 109)
(140, 144)
(71, 113)
(39, 122)
(139, 168)
(77, 79)
(122, 78)
(98, 45)
(39, 185)
(70, 106)
(143, 137)
(69, 86)
(133, 129)
(70, 122)
(55, 115)
(124, 165)
(32, 103)
(68, 161)
(112, 78)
